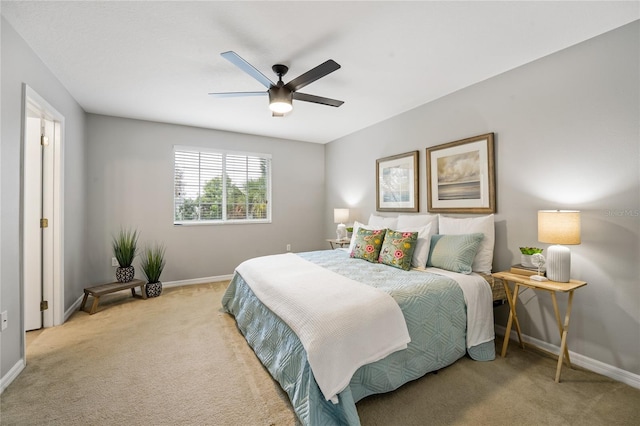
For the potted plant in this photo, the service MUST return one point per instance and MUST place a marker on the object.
(526, 253)
(152, 265)
(125, 249)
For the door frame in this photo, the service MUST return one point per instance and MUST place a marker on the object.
(54, 294)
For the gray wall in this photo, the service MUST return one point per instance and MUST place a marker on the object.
(567, 137)
(20, 65)
(130, 184)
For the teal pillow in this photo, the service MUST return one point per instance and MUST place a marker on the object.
(397, 249)
(454, 252)
(367, 244)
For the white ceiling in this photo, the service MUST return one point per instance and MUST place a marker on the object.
(158, 60)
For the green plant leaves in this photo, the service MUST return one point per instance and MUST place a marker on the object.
(530, 250)
(125, 247)
(153, 262)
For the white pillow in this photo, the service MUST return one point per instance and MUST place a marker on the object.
(413, 220)
(423, 244)
(485, 225)
(380, 222)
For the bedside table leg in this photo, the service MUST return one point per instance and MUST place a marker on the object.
(513, 317)
(516, 291)
(564, 350)
(507, 331)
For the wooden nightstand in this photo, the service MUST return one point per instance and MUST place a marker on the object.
(552, 287)
(340, 243)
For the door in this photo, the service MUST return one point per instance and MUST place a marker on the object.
(32, 253)
(42, 184)
(38, 201)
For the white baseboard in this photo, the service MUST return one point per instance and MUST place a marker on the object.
(11, 375)
(74, 307)
(197, 281)
(580, 360)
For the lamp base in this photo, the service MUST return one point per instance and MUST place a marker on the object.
(559, 263)
(341, 232)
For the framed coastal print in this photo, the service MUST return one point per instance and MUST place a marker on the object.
(460, 176)
(397, 183)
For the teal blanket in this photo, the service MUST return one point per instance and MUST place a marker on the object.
(433, 307)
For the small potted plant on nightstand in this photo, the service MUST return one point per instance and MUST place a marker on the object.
(125, 248)
(526, 253)
(152, 265)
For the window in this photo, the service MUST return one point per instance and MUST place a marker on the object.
(221, 187)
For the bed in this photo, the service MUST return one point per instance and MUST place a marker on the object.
(447, 315)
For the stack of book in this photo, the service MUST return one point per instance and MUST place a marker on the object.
(525, 270)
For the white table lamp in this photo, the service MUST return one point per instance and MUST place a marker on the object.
(559, 227)
(340, 216)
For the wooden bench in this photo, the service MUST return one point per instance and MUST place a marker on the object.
(102, 289)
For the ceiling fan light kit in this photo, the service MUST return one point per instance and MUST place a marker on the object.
(281, 95)
(280, 98)
(279, 104)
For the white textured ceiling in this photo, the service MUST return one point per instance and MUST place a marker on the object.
(158, 60)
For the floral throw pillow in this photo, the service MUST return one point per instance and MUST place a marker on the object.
(397, 249)
(367, 244)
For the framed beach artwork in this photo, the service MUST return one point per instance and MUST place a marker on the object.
(397, 183)
(460, 176)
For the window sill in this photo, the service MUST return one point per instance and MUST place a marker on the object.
(219, 222)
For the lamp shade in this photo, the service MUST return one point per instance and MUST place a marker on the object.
(340, 215)
(559, 226)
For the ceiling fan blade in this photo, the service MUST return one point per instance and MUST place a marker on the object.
(237, 94)
(316, 99)
(245, 66)
(312, 75)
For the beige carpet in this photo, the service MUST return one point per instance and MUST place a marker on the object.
(177, 359)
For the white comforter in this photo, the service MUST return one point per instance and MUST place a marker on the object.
(341, 323)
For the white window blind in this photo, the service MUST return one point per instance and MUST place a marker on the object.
(221, 187)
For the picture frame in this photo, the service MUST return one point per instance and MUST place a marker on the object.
(461, 176)
(397, 183)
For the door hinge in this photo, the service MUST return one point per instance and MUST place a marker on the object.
(44, 305)
(44, 140)
(44, 223)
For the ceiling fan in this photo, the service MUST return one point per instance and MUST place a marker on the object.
(281, 94)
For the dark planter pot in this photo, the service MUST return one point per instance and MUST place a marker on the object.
(153, 289)
(125, 274)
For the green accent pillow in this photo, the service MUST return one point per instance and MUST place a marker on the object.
(454, 252)
(367, 244)
(397, 249)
